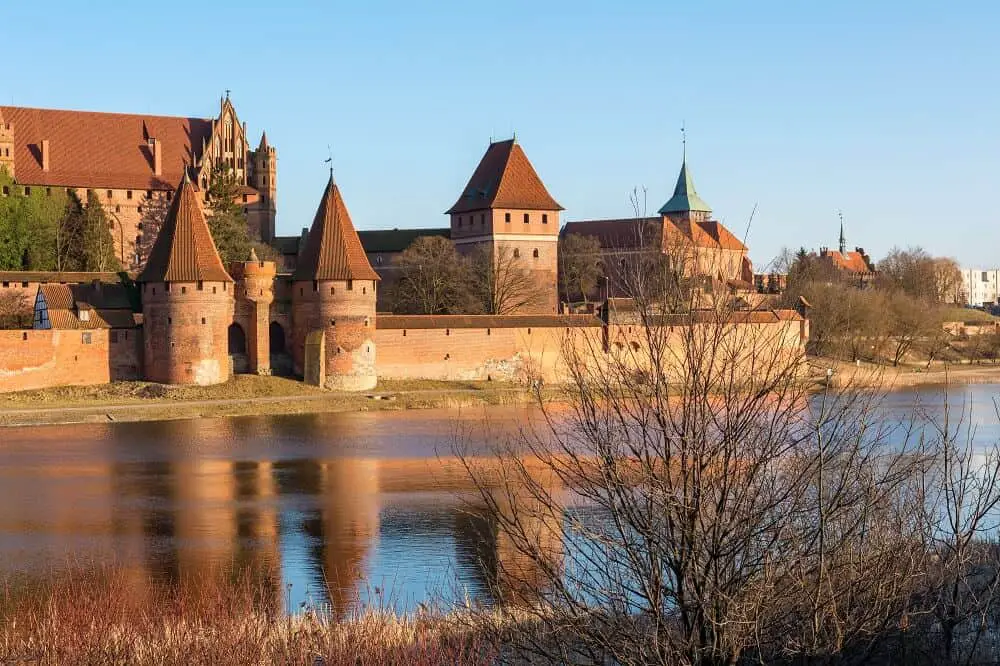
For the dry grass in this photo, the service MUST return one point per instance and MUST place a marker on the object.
(99, 618)
(239, 387)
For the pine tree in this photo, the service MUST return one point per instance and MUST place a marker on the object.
(97, 250)
(226, 221)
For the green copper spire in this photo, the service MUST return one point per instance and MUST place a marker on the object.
(685, 197)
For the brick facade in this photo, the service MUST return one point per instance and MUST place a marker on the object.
(40, 359)
(186, 331)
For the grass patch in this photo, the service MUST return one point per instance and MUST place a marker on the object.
(969, 316)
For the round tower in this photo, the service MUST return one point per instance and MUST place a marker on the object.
(333, 302)
(254, 295)
(187, 299)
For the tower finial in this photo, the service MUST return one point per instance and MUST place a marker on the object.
(329, 159)
(684, 141)
(843, 241)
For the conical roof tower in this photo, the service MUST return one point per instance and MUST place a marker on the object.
(184, 250)
(333, 249)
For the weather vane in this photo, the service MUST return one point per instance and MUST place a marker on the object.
(329, 159)
(684, 140)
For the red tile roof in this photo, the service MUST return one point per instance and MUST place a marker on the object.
(184, 250)
(102, 150)
(632, 233)
(333, 250)
(504, 179)
(853, 262)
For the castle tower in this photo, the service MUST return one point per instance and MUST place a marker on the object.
(265, 181)
(333, 302)
(254, 294)
(7, 147)
(187, 299)
(506, 209)
(685, 204)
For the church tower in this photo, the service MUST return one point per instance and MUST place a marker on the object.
(7, 147)
(506, 210)
(187, 299)
(265, 180)
(685, 204)
(333, 302)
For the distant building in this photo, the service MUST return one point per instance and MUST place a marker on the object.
(683, 228)
(981, 286)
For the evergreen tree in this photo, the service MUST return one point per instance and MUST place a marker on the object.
(28, 224)
(226, 220)
(97, 248)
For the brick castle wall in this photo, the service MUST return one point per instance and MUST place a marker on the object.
(186, 332)
(347, 318)
(40, 359)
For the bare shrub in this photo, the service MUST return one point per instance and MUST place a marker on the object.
(707, 509)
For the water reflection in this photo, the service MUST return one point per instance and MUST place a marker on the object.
(339, 506)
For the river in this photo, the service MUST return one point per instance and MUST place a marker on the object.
(328, 509)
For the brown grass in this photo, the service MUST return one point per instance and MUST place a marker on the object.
(99, 617)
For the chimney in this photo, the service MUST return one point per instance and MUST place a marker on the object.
(46, 155)
(157, 157)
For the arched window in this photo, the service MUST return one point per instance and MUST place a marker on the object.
(534, 253)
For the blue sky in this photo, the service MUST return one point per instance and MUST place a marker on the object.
(887, 111)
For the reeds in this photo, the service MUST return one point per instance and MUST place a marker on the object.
(104, 617)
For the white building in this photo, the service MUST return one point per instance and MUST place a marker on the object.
(981, 285)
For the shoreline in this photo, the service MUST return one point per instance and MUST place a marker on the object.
(126, 402)
(869, 375)
(248, 395)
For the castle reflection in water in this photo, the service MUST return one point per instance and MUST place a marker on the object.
(340, 506)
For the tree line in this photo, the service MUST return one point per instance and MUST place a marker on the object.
(882, 318)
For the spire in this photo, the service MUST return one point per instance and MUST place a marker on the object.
(685, 199)
(843, 241)
(263, 142)
(184, 250)
(333, 250)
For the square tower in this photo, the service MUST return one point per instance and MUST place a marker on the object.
(506, 216)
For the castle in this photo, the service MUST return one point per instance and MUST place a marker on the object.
(186, 318)
(134, 162)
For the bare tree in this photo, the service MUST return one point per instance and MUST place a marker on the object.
(580, 268)
(433, 279)
(502, 280)
(15, 310)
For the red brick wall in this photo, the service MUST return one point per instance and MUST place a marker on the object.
(39, 359)
(501, 354)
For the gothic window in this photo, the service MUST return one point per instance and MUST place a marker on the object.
(506, 217)
(545, 218)
(517, 253)
(535, 253)
(527, 218)
(128, 194)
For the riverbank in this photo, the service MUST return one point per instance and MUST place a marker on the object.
(869, 375)
(243, 395)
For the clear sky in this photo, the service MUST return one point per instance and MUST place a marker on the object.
(887, 111)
